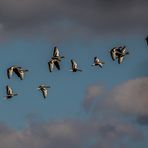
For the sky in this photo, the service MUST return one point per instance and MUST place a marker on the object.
(98, 107)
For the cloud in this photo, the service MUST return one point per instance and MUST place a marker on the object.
(129, 98)
(68, 133)
(96, 16)
(92, 92)
(142, 120)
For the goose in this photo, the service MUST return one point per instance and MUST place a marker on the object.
(52, 63)
(56, 54)
(74, 66)
(9, 92)
(121, 54)
(97, 62)
(20, 72)
(43, 89)
(146, 40)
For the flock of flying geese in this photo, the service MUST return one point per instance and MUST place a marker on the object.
(117, 53)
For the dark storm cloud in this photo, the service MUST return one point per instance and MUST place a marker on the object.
(95, 16)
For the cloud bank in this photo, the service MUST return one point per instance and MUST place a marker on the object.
(69, 133)
(67, 17)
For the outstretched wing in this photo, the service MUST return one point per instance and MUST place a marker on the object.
(113, 53)
(95, 59)
(9, 73)
(120, 59)
(21, 73)
(9, 90)
(56, 52)
(44, 92)
(74, 64)
(56, 63)
(51, 65)
(17, 71)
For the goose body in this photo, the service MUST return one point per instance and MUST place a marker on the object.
(97, 62)
(74, 66)
(44, 90)
(9, 92)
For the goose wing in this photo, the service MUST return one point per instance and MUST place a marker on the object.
(9, 90)
(113, 53)
(44, 92)
(21, 74)
(123, 50)
(95, 58)
(74, 64)
(56, 63)
(100, 65)
(9, 72)
(51, 65)
(120, 59)
(56, 52)
(17, 71)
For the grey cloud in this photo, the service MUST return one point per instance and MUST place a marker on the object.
(143, 120)
(69, 133)
(129, 98)
(96, 16)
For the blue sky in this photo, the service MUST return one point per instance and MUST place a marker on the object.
(27, 39)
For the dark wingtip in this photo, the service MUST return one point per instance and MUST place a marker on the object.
(127, 53)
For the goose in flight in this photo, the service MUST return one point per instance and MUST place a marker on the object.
(52, 63)
(44, 90)
(146, 40)
(97, 62)
(9, 92)
(20, 72)
(74, 66)
(121, 54)
(56, 54)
